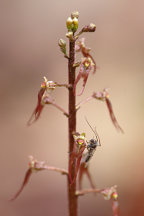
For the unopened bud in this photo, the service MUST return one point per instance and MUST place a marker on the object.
(62, 45)
(69, 23)
(89, 28)
(75, 14)
(69, 35)
(75, 24)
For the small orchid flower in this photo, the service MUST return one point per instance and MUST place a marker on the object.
(45, 90)
(76, 155)
(85, 68)
(104, 96)
(80, 47)
(111, 194)
(34, 166)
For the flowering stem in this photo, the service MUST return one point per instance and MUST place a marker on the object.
(72, 128)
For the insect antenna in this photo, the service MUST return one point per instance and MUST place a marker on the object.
(95, 132)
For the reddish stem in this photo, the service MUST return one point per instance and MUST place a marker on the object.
(72, 128)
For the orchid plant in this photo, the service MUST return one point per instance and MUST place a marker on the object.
(81, 150)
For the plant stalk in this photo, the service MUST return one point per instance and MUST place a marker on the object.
(72, 198)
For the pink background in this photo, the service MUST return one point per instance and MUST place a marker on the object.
(30, 31)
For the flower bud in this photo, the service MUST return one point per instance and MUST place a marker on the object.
(75, 14)
(89, 28)
(69, 23)
(62, 45)
(69, 35)
(75, 24)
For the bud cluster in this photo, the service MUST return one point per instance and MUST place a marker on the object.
(72, 23)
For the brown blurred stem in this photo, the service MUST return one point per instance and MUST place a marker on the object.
(72, 199)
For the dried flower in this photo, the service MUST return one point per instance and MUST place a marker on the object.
(85, 68)
(76, 155)
(104, 96)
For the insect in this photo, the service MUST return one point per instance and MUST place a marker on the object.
(92, 145)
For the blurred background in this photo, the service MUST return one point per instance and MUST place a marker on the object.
(30, 31)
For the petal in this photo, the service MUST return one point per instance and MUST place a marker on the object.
(25, 181)
(113, 118)
(36, 113)
(85, 77)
